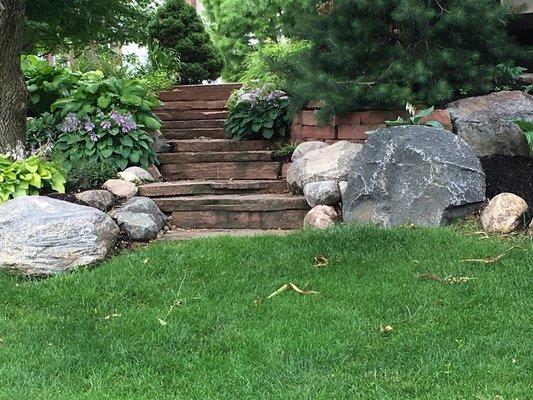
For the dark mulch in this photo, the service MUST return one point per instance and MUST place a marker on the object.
(509, 174)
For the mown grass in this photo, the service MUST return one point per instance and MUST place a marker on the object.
(192, 321)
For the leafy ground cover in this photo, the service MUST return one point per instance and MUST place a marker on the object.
(399, 314)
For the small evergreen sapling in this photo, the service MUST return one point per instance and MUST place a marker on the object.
(177, 26)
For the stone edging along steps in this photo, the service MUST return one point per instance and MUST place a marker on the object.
(212, 182)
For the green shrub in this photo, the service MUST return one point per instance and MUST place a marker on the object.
(95, 92)
(84, 174)
(41, 131)
(284, 151)
(46, 83)
(261, 65)
(178, 27)
(107, 137)
(387, 53)
(415, 118)
(258, 113)
(29, 176)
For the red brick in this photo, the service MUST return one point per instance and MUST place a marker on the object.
(353, 118)
(307, 117)
(372, 117)
(441, 116)
(296, 132)
(318, 132)
(356, 132)
(315, 104)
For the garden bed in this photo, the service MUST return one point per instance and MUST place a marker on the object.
(509, 174)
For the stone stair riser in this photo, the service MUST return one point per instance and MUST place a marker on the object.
(203, 145)
(194, 157)
(194, 188)
(222, 170)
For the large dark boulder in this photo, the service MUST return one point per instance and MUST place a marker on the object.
(486, 122)
(413, 175)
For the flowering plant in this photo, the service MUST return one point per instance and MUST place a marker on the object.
(111, 137)
(259, 112)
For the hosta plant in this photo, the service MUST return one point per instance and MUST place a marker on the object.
(258, 113)
(415, 118)
(527, 128)
(94, 92)
(112, 137)
(28, 176)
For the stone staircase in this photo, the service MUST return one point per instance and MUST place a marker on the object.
(212, 182)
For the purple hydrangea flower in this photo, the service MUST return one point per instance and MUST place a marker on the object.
(70, 123)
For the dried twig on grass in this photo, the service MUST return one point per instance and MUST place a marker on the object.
(293, 287)
(489, 260)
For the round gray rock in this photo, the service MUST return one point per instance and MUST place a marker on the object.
(101, 199)
(331, 163)
(486, 122)
(325, 193)
(504, 213)
(306, 147)
(413, 175)
(142, 174)
(140, 219)
(42, 236)
(121, 188)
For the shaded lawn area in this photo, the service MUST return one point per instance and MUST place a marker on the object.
(113, 332)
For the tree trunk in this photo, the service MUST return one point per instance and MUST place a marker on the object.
(13, 93)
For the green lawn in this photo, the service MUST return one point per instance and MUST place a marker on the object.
(192, 321)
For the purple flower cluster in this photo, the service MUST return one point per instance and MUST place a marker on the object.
(125, 121)
(260, 95)
(88, 125)
(71, 123)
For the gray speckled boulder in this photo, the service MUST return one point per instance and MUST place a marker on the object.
(140, 219)
(41, 236)
(413, 175)
(485, 122)
(325, 193)
(306, 147)
(331, 163)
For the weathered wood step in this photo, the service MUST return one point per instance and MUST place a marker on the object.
(194, 123)
(177, 115)
(267, 211)
(212, 133)
(195, 105)
(222, 170)
(181, 234)
(200, 92)
(233, 202)
(190, 188)
(201, 145)
(217, 156)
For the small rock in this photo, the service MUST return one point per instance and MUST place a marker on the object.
(504, 213)
(159, 145)
(42, 236)
(140, 218)
(156, 174)
(142, 174)
(342, 189)
(322, 193)
(306, 147)
(320, 217)
(331, 163)
(100, 199)
(121, 188)
(129, 177)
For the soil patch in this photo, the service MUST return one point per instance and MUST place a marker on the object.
(509, 174)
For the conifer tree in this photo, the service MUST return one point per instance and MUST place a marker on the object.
(177, 26)
(389, 52)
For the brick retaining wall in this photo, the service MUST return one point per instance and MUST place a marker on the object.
(352, 126)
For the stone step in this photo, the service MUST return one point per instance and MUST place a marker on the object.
(217, 156)
(192, 188)
(194, 105)
(222, 170)
(258, 211)
(194, 123)
(182, 234)
(211, 145)
(212, 133)
(184, 115)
